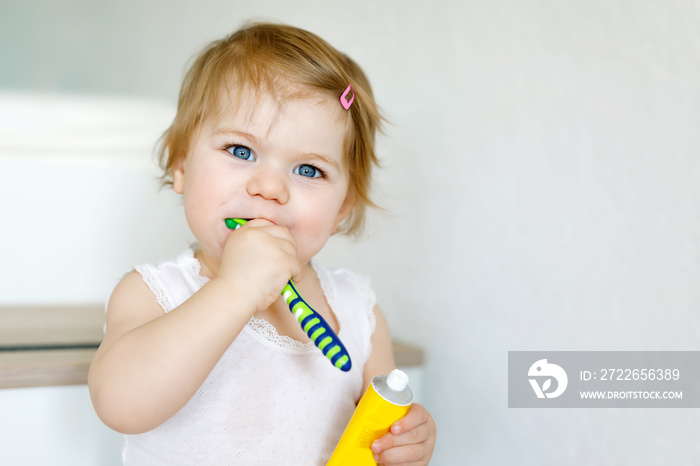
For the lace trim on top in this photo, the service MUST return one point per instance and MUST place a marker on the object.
(266, 333)
(194, 267)
(155, 286)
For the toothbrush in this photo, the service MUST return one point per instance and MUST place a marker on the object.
(311, 321)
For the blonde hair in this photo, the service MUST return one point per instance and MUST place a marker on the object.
(270, 58)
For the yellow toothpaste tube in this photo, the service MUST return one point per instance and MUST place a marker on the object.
(387, 399)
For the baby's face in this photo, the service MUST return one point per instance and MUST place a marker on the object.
(262, 161)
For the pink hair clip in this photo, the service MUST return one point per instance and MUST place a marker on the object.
(344, 100)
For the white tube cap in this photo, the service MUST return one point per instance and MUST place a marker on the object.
(397, 380)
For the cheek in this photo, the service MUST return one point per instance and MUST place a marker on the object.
(205, 185)
(200, 200)
(195, 199)
(317, 227)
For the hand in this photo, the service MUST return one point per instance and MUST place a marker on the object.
(259, 258)
(411, 440)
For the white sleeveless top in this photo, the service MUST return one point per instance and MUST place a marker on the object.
(270, 400)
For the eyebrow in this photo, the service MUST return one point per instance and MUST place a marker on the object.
(249, 136)
(256, 140)
(323, 158)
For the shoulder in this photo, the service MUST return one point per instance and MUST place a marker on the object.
(344, 280)
(174, 280)
(380, 359)
(131, 305)
(139, 296)
(185, 260)
(352, 295)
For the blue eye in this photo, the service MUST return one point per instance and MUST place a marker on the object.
(309, 171)
(242, 152)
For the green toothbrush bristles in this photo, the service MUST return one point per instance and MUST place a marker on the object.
(235, 223)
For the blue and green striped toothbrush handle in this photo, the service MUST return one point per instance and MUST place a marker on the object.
(311, 321)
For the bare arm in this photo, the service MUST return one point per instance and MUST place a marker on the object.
(381, 360)
(151, 363)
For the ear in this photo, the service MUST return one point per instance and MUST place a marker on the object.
(179, 175)
(345, 209)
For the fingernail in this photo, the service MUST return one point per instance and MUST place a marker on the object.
(376, 447)
(396, 430)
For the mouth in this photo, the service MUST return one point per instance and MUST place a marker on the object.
(235, 223)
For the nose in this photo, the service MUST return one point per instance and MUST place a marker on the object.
(268, 184)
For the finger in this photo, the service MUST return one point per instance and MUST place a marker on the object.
(285, 245)
(276, 235)
(258, 222)
(416, 416)
(289, 257)
(297, 271)
(278, 231)
(283, 240)
(404, 455)
(414, 436)
(297, 274)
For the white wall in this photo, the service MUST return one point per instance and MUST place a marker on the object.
(539, 175)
